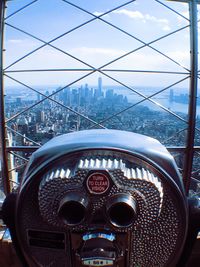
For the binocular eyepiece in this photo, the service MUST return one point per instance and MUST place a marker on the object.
(121, 210)
(73, 208)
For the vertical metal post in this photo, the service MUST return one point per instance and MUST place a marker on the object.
(3, 156)
(188, 161)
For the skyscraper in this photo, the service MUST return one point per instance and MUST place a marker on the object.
(99, 86)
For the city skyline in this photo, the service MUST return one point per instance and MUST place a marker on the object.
(179, 103)
(74, 110)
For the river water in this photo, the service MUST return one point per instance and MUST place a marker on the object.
(162, 99)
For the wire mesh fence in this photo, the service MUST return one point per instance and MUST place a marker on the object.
(70, 66)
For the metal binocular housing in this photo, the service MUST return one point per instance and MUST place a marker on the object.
(100, 198)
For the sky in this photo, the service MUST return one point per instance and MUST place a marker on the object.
(96, 43)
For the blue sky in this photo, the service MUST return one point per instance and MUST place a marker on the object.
(96, 43)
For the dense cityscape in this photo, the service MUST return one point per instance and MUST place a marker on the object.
(73, 109)
(70, 110)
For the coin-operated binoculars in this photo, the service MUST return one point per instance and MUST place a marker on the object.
(100, 198)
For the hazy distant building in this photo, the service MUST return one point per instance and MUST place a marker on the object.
(109, 94)
(66, 96)
(38, 97)
(99, 87)
(75, 100)
(18, 101)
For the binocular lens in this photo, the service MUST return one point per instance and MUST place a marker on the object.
(121, 210)
(73, 208)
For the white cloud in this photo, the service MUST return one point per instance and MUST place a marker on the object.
(130, 14)
(97, 13)
(97, 50)
(15, 41)
(96, 56)
(22, 44)
(183, 57)
(163, 23)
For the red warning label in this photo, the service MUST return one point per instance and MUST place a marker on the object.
(98, 183)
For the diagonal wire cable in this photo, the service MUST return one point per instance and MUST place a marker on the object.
(65, 33)
(17, 167)
(98, 124)
(172, 136)
(18, 156)
(112, 62)
(26, 137)
(151, 100)
(45, 43)
(176, 12)
(88, 65)
(141, 101)
(135, 91)
(149, 45)
(19, 10)
(146, 98)
(13, 182)
(93, 14)
(99, 69)
(115, 60)
(109, 63)
(134, 37)
(45, 97)
(142, 41)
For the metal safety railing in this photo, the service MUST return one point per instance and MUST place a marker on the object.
(181, 130)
